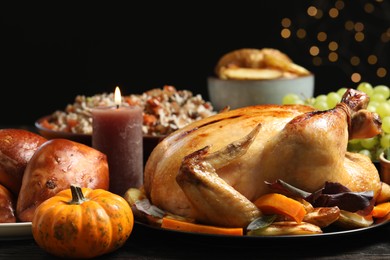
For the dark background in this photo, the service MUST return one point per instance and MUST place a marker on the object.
(51, 52)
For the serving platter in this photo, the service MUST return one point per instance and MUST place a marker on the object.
(15, 231)
(174, 236)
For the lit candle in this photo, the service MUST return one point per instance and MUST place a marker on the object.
(117, 132)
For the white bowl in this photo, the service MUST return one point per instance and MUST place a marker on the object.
(241, 93)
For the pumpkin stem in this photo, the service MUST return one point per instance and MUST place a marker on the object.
(77, 195)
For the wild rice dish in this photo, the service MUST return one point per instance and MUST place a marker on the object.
(165, 110)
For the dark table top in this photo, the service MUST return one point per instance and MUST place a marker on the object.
(152, 243)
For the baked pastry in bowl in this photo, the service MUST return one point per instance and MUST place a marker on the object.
(248, 77)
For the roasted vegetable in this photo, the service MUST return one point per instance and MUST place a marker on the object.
(351, 220)
(381, 210)
(175, 224)
(142, 209)
(330, 195)
(282, 228)
(275, 203)
(322, 216)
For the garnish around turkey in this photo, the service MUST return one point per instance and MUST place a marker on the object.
(286, 210)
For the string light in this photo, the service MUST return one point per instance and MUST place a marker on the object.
(350, 35)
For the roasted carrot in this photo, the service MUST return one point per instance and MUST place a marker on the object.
(175, 224)
(381, 210)
(72, 123)
(275, 203)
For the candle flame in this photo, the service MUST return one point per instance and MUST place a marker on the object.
(117, 97)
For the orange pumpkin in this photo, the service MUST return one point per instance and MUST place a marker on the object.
(82, 223)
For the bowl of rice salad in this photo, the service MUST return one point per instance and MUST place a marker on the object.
(164, 111)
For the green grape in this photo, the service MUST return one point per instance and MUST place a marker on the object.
(369, 143)
(378, 152)
(291, 98)
(377, 97)
(341, 91)
(383, 90)
(354, 141)
(385, 141)
(321, 97)
(321, 105)
(373, 103)
(332, 99)
(309, 101)
(366, 152)
(354, 145)
(386, 124)
(383, 109)
(372, 106)
(366, 88)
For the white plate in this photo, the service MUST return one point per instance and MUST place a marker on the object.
(13, 231)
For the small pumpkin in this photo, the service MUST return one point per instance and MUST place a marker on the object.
(82, 223)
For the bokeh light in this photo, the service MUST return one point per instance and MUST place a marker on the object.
(350, 36)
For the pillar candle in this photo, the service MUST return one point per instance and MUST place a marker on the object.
(117, 132)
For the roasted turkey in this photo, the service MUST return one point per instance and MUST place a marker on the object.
(213, 169)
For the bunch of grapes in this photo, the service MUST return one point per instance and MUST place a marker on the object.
(379, 103)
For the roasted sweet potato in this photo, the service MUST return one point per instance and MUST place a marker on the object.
(7, 206)
(17, 146)
(54, 166)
